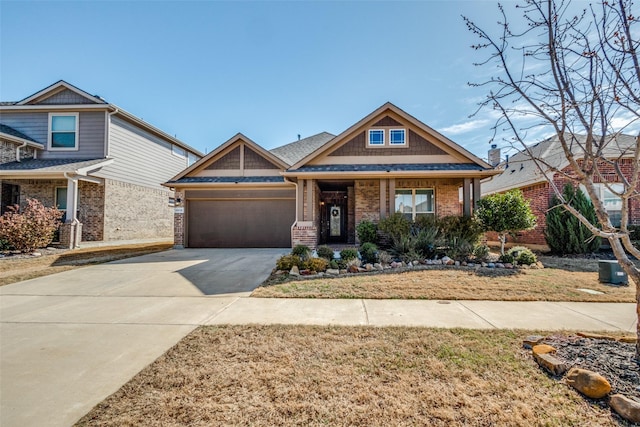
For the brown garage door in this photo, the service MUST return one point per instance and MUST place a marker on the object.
(240, 223)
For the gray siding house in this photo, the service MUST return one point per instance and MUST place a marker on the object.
(98, 163)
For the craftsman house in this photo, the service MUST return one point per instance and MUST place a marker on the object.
(99, 164)
(520, 171)
(316, 190)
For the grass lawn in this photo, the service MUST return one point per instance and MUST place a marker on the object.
(303, 375)
(16, 269)
(448, 283)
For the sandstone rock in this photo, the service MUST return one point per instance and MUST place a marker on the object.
(333, 271)
(539, 264)
(295, 271)
(625, 407)
(530, 341)
(628, 339)
(368, 267)
(589, 383)
(352, 269)
(550, 363)
(279, 273)
(543, 349)
(595, 336)
(362, 270)
(378, 266)
(343, 271)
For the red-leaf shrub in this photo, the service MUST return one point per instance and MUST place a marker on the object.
(33, 228)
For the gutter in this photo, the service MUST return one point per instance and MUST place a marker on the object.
(24, 144)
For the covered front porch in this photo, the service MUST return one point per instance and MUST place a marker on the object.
(65, 184)
(329, 210)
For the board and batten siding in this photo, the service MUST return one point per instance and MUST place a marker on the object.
(36, 125)
(140, 157)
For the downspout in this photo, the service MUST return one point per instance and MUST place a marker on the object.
(24, 144)
(107, 145)
(296, 184)
(74, 220)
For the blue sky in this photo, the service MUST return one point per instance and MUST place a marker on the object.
(205, 70)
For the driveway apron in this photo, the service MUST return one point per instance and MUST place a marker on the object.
(69, 340)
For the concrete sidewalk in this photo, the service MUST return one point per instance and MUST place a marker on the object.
(70, 340)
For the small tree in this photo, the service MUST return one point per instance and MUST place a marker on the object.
(565, 234)
(33, 228)
(505, 213)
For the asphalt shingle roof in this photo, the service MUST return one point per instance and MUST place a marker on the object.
(393, 167)
(295, 151)
(227, 179)
(11, 131)
(50, 165)
(521, 170)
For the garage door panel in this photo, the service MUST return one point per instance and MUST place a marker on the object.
(240, 223)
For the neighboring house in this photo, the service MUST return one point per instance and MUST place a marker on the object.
(316, 190)
(99, 164)
(520, 171)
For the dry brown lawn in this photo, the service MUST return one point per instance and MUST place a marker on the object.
(448, 283)
(303, 375)
(16, 269)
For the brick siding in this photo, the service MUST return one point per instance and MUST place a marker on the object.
(91, 210)
(367, 195)
(304, 233)
(8, 152)
(136, 212)
(179, 223)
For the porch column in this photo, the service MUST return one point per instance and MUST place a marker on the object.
(300, 201)
(392, 196)
(383, 198)
(71, 230)
(466, 197)
(309, 212)
(476, 193)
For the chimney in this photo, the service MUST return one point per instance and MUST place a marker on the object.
(298, 137)
(494, 155)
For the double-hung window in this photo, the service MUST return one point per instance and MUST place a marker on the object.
(63, 131)
(376, 137)
(612, 202)
(413, 203)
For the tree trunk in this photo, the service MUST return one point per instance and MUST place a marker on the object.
(503, 240)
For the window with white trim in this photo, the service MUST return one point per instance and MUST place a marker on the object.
(376, 137)
(63, 131)
(612, 202)
(397, 137)
(415, 202)
(178, 151)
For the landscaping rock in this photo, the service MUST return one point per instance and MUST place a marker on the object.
(508, 266)
(628, 339)
(333, 271)
(531, 340)
(589, 383)
(491, 265)
(499, 265)
(538, 264)
(352, 269)
(457, 263)
(484, 264)
(343, 271)
(625, 407)
(550, 363)
(471, 264)
(416, 262)
(368, 267)
(36, 254)
(595, 336)
(295, 271)
(543, 349)
(378, 266)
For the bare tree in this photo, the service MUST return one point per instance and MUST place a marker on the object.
(574, 74)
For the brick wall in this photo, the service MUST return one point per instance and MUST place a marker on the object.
(178, 222)
(8, 152)
(367, 195)
(304, 233)
(136, 212)
(91, 210)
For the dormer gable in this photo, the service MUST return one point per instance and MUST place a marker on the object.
(238, 157)
(61, 93)
(389, 136)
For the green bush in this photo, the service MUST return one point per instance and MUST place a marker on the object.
(301, 251)
(384, 257)
(316, 264)
(481, 252)
(348, 254)
(463, 228)
(460, 249)
(522, 255)
(395, 225)
(404, 248)
(369, 253)
(334, 264)
(426, 241)
(367, 232)
(5, 245)
(506, 258)
(325, 252)
(30, 229)
(634, 235)
(564, 233)
(285, 262)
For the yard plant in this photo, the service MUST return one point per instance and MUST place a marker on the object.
(30, 229)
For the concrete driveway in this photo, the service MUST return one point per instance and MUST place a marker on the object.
(69, 340)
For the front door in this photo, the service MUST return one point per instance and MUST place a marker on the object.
(334, 221)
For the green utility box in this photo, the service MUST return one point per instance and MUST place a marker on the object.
(611, 272)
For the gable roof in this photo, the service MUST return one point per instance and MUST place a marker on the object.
(379, 113)
(521, 170)
(42, 168)
(295, 151)
(235, 140)
(58, 87)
